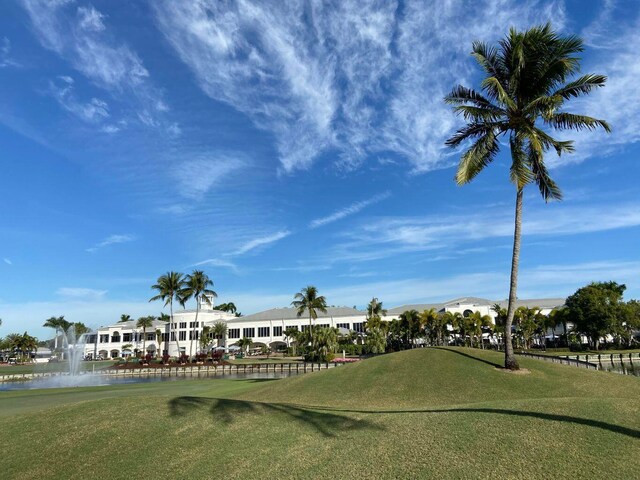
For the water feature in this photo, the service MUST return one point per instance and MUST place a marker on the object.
(97, 380)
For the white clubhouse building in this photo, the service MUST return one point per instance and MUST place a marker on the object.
(264, 328)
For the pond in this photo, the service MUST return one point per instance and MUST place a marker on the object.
(89, 380)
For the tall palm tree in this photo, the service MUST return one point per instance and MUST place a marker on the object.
(168, 287)
(410, 326)
(477, 323)
(308, 300)
(196, 286)
(525, 88)
(374, 313)
(124, 318)
(144, 323)
(158, 333)
(60, 325)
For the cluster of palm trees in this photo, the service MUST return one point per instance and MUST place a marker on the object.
(181, 288)
(18, 344)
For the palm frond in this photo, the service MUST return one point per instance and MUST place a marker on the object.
(461, 95)
(473, 130)
(571, 121)
(581, 86)
(496, 91)
(520, 173)
(477, 157)
(548, 188)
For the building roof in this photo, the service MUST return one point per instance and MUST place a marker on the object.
(132, 324)
(291, 313)
(477, 301)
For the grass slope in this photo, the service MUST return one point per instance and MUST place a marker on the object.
(428, 413)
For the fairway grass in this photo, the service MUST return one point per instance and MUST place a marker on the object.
(426, 413)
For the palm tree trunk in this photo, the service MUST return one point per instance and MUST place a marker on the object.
(510, 361)
(193, 330)
(144, 342)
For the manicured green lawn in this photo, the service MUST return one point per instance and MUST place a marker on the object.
(426, 413)
(52, 367)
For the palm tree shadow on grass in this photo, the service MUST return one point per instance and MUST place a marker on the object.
(457, 352)
(611, 427)
(226, 411)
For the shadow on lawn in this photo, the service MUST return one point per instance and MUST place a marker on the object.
(226, 411)
(611, 427)
(458, 352)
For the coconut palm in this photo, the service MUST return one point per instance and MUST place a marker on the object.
(124, 318)
(245, 343)
(60, 325)
(308, 300)
(410, 326)
(219, 331)
(196, 286)
(169, 287)
(144, 323)
(525, 88)
(158, 333)
(477, 324)
(292, 333)
(374, 313)
(227, 307)
(205, 338)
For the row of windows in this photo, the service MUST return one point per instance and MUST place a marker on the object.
(232, 333)
(184, 325)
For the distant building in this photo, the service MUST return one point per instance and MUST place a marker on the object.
(266, 327)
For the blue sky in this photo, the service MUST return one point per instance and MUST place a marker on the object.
(280, 144)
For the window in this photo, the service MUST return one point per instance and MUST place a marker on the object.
(151, 336)
(91, 339)
(249, 332)
(343, 325)
(358, 327)
(304, 328)
(194, 335)
(115, 338)
(277, 331)
(263, 331)
(164, 337)
(173, 336)
(104, 338)
(234, 333)
(126, 337)
(194, 324)
(182, 335)
(324, 325)
(183, 324)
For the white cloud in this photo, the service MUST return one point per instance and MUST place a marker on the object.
(351, 76)
(197, 176)
(5, 54)
(387, 237)
(111, 240)
(7, 261)
(349, 210)
(92, 111)
(261, 242)
(75, 293)
(216, 262)
(80, 36)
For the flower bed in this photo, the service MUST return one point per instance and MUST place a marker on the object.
(345, 360)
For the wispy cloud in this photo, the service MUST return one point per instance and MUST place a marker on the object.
(217, 262)
(197, 176)
(7, 261)
(261, 242)
(349, 210)
(80, 36)
(111, 240)
(388, 236)
(358, 77)
(92, 111)
(5, 54)
(81, 293)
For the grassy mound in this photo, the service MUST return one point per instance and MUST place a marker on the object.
(428, 413)
(442, 376)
